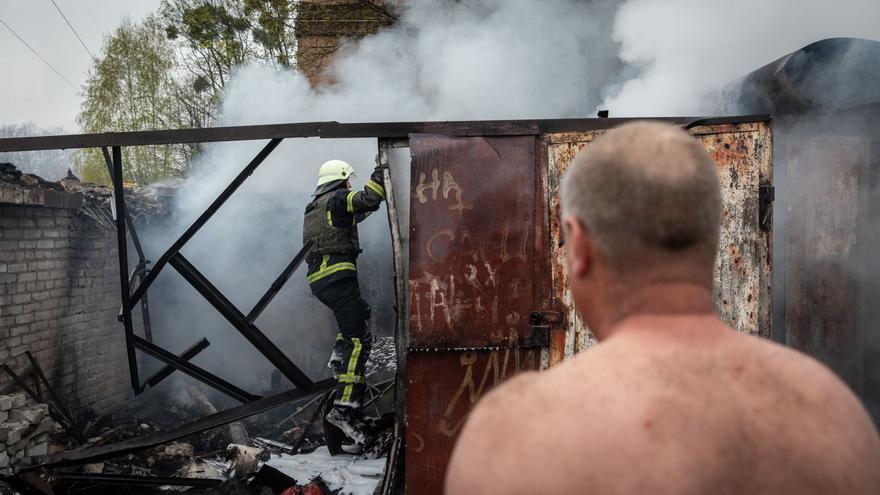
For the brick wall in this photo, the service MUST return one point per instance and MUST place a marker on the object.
(323, 26)
(59, 296)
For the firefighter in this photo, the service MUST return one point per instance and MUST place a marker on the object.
(330, 221)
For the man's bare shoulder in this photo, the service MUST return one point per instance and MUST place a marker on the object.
(800, 382)
(629, 400)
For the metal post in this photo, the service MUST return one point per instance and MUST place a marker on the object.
(145, 311)
(119, 201)
(396, 456)
(142, 260)
(192, 370)
(259, 340)
(203, 218)
(134, 237)
(399, 283)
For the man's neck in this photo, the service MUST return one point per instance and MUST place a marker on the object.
(661, 299)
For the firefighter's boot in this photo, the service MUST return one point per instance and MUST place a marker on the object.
(349, 421)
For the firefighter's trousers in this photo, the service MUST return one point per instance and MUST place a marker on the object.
(353, 342)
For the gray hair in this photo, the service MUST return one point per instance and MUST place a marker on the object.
(645, 192)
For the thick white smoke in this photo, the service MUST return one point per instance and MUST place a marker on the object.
(688, 48)
(443, 60)
(446, 60)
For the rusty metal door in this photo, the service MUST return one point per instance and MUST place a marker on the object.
(743, 154)
(473, 265)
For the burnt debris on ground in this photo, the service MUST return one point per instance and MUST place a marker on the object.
(281, 450)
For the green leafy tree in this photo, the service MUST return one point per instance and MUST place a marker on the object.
(273, 29)
(132, 87)
(211, 37)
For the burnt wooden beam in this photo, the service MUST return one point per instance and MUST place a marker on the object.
(84, 456)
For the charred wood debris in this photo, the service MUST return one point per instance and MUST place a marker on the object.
(143, 202)
(231, 458)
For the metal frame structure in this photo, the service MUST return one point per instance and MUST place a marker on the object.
(132, 295)
(134, 285)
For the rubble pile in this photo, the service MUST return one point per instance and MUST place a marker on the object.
(24, 430)
(11, 177)
(142, 202)
(279, 451)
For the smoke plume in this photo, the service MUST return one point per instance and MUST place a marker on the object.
(443, 60)
(684, 49)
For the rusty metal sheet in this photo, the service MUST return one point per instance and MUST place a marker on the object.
(472, 241)
(442, 388)
(743, 153)
(821, 292)
(561, 149)
(744, 156)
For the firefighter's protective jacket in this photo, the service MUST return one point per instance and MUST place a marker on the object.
(331, 223)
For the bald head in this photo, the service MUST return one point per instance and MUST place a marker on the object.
(647, 195)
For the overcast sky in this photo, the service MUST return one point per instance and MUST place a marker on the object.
(29, 90)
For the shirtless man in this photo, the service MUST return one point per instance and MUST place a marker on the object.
(672, 400)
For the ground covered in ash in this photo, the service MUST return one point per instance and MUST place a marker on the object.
(342, 473)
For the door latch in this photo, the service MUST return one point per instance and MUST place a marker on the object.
(766, 196)
(539, 328)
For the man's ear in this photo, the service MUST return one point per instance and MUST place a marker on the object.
(579, 248)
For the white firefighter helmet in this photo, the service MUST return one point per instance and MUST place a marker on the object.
(331, 173)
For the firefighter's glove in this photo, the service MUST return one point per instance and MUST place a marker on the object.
(377, 176)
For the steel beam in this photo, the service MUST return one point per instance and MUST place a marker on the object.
(259, 340)
(122, 246)
(192, 370)
(203, 218)
(336, 130)
(142, 259)
(83, 456)
(136, 272)
(134, 237)
(280, 281)
(186, 355)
